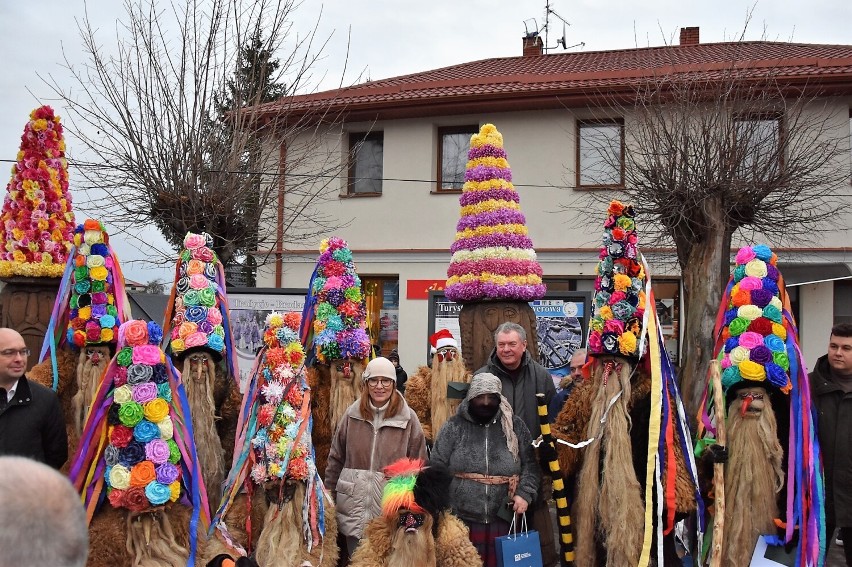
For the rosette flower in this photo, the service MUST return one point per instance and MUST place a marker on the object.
(157, 493)
(119, 477)
(157, 451)
(156, 410)
(145, 431)
(130, 414)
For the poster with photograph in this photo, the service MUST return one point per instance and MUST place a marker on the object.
(561, 325)
(389, 325)
(249, 308)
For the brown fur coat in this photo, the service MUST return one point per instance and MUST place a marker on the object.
(452, 546)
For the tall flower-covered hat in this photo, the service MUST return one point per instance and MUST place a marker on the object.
(754, 335)
(619, 303)
(198, 316)
(274, 431)
(148, 458)
(98, 302)
(37, 217)
(493, 256)
(334, 321)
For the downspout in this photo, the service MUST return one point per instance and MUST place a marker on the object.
(279, 229)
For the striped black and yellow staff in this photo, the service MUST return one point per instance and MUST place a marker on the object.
(560, 491)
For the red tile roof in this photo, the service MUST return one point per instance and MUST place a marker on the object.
(550, 81)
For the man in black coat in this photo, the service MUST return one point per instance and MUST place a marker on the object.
(31, 420)
(831, 390)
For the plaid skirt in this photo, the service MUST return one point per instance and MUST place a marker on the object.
(482, 537)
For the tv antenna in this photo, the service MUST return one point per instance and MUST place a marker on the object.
(548, 11)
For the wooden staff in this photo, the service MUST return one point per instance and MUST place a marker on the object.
(560, 492)
(718, 468)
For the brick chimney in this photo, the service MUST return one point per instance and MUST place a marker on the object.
(689, 36)
(532, 45)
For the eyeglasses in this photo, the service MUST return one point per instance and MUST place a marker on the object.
(10, 352)
(376, 382)
(447, 354)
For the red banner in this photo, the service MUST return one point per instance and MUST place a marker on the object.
(419, 289)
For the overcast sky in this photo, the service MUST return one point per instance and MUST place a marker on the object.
(396, 37)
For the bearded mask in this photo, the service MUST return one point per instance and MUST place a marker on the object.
(347, 369)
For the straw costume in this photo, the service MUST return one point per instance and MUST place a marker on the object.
(629, 442)
(426, 391)
(416, 528)
(772, 479)
(197, 327)
(285, 507)
(80, 340)
(334, 333)
(136, 465)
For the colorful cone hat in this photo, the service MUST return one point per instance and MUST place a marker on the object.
(98, 302)
(754, 336)
(198, 314)
(619, 304)
(37, 216)
(147, 460)
(334, 320)
(493, 256)
(274, 428)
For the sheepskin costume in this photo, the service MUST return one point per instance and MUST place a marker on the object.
(620, 443)
(137, 457)
(197, 327)
(426, 391)
(89, 308)
(765, 388)
(416, 529)
(334, 334)
(275, 461)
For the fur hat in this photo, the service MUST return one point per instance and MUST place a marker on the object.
(442, 338)
(393, 355)
(380, 367)
(619, 303)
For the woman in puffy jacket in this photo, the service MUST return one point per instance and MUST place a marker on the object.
(376, 430)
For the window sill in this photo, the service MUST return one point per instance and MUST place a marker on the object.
(445, 192)
(358, 195)
(599, 187)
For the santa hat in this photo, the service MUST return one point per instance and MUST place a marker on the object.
(443, 338)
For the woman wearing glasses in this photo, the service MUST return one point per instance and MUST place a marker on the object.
(376, 430)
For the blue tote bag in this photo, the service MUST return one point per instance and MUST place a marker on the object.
(518, 549)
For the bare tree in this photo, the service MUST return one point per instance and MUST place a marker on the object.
(167, 114)
(721, 157)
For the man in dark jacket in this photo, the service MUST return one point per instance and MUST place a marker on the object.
(522, 378)
(31, 420)
(401, 374)
(831, 390)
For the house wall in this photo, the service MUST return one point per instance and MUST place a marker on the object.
(407, 231)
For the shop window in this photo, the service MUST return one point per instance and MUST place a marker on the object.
(382, 298)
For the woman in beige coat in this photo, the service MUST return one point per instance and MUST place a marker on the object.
(376, 430)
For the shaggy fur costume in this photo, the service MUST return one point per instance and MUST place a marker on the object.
(610, 511)
(331, 395)
(451, 547)
(77, 382)
(426, 394)
(276, 534)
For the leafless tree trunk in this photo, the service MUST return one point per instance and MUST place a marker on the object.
(148, 111)
(719, 157)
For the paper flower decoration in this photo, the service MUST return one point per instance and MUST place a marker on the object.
(143, 460)
(619, 303)
(340, 313)
(199, 314)
(37, 216)
(754, 336)
(281, 447)
(493, 256)
(98, 303)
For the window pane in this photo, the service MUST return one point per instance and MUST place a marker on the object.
(367, 160)
(758, 144)
(454, 159)
(600, 154)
